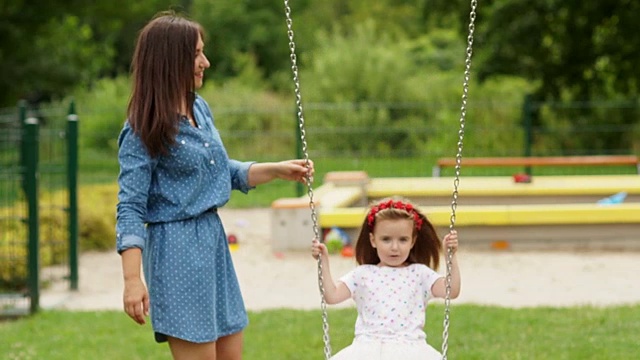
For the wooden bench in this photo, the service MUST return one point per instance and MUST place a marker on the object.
(599, 160)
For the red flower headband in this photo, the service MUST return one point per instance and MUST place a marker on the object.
(390, 204)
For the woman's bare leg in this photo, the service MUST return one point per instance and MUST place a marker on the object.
(226, 348)
(230, 347)
(186, 350)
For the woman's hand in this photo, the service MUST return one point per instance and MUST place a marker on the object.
(136, 300)
(295, 170)
(451, 241)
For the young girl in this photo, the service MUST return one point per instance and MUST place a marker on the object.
(398, 252)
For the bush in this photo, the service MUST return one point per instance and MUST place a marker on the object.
(96, 224)
(102, 112)
(97, 220)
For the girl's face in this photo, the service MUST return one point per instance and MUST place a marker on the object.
(393, 240)
(201, 64)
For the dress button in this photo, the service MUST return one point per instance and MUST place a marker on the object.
(183, 142)
(206, 144)
(212, 162)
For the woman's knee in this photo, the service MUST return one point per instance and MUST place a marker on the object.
(186, 350)
(230, 346)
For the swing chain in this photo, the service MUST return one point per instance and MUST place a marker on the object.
(303, 137)
(456, 181)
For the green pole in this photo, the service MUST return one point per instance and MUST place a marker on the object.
(22, 116)
(527, 124)
(31, 146)
(72, 177)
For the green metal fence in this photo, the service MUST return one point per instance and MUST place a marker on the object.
(406, 139)
(38, 204)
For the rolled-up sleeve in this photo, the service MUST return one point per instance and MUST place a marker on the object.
(239, 172)
(134, 180)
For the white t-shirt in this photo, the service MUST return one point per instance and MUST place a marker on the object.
(391, 301)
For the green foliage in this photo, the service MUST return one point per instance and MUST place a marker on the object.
(53, 237)
(96, 231)
(97, 222)
(391, 71)
(571, 51)
(368, 65)
(242, 110)
(586, 50)
(493, 117)
(235, 27)
(13, 268)
(102, 112)
(476, 333)
(567, 128)
(49, 58)
(48, 48)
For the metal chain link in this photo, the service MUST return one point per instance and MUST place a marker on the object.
(303, 137)
(456, 181)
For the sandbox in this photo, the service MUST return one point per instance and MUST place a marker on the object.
(550, 212)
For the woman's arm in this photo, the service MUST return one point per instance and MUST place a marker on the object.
(439, 287)
(334, 293)
(135, 297)
(294, 170)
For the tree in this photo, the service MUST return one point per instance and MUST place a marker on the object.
(255, 27)
(573, 51)
(48, 47)
(576, 49)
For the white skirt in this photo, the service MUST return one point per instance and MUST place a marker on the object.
(387, 350)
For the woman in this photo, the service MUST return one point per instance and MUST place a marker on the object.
(174, 175)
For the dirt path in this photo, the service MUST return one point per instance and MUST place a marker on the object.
(289, 280)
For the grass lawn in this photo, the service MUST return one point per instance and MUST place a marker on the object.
(476, 332)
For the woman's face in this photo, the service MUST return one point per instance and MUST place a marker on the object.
(201, 63)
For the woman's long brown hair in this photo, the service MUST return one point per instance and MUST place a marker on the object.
(162, 72)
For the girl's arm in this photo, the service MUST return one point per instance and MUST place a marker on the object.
(334, 293)
(294, 170)
(439, 287)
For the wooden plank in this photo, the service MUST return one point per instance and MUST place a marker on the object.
(543, 161)
(601, 185)
(327, 195)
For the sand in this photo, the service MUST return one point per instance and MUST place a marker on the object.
(289, 280)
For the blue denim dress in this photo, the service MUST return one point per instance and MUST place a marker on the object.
(167, 206)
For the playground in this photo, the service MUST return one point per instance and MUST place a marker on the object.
(545, 242)
(287, 279)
